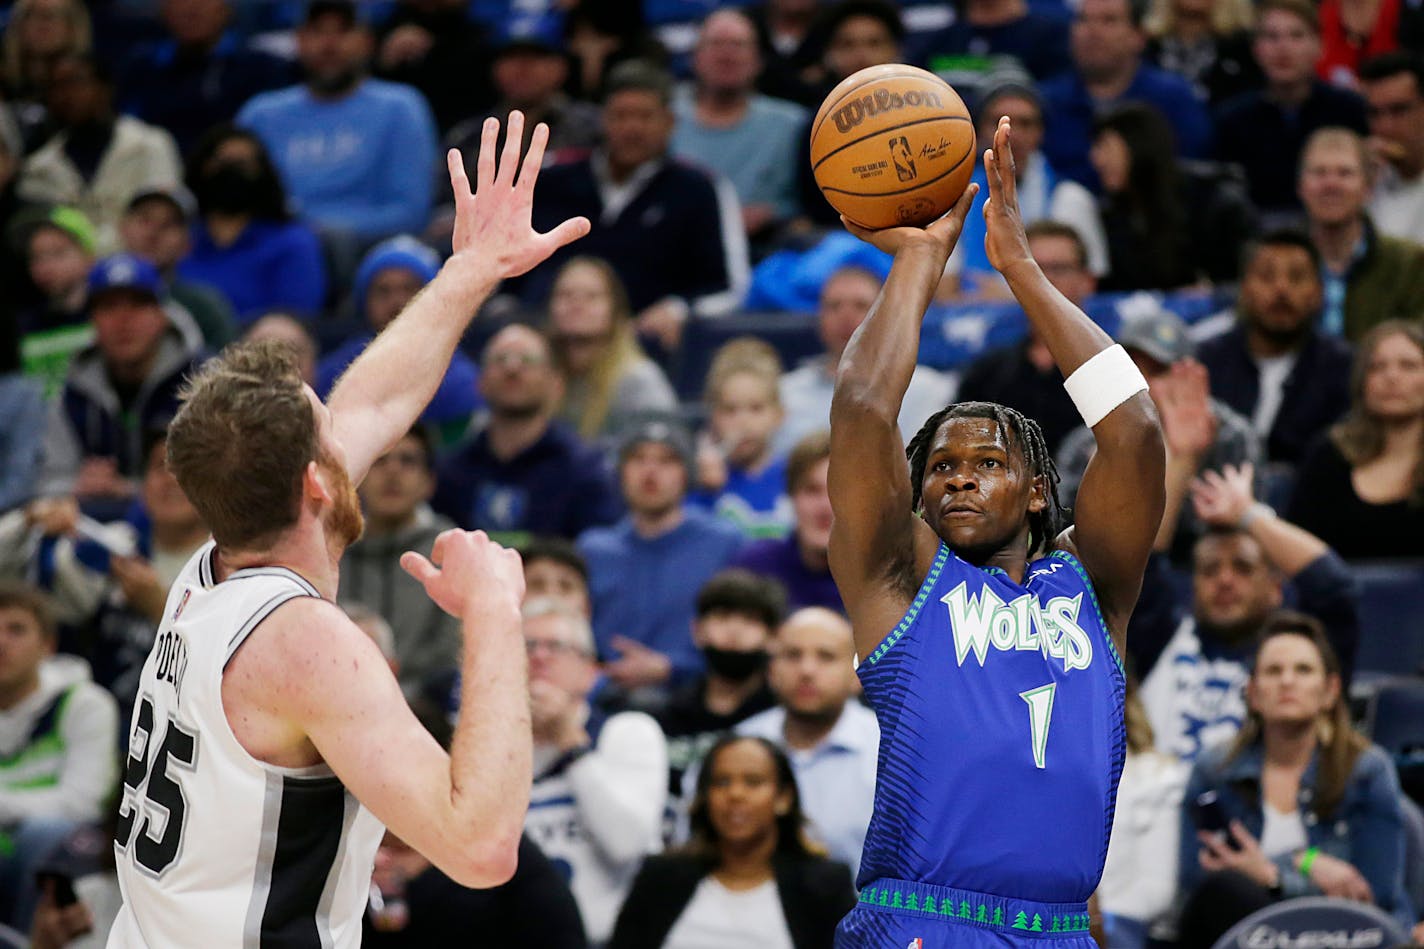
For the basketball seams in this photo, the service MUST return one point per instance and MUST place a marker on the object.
(895, 128)
(828, 109)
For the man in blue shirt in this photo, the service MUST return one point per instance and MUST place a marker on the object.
(356, 154)
(1106, 41)
(727, 126)
(831, 739)
(645, 571)
(522, 473)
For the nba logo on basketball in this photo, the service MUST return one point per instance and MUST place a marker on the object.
(904, 161)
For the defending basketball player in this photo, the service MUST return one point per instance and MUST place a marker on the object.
(990, 636)
(270, 740)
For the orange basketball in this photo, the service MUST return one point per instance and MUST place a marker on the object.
(892, 145)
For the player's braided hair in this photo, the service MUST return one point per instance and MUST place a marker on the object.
(1020, 430)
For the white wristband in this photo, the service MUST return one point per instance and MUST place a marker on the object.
(1103, 383)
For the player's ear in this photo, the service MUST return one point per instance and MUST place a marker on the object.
(1038, 495)
(314, 484)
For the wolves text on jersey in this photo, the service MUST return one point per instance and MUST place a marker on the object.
(1023, 623)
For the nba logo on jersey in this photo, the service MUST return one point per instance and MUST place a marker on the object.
(178, 610)
(916, 943)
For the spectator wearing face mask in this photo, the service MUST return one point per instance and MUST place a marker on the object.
(245, 242)
(737, 615)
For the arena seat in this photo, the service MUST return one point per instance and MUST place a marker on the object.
(1395, 721)
(1413, 852)
(1391, 605)
(793, 335)
(1315, 921)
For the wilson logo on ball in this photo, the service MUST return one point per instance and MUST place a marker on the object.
(855, 112)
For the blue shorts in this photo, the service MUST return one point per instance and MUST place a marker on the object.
(899, 914)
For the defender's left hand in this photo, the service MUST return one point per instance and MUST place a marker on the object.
(493, 224)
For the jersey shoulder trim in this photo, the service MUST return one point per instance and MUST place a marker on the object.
(913, 612)
(1077, 565)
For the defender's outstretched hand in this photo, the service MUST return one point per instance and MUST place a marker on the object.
(943, 234)
(1004, 237)
(492, 223)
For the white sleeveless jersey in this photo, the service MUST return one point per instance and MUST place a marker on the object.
(216, 848)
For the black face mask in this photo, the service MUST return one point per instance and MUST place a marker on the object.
(230, 189)
(734, 664)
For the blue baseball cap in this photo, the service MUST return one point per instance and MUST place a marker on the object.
(125, 272)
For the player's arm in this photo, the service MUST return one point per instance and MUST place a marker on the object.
(1120, 500)
(876, 539)
(384, 391)
(324, 679)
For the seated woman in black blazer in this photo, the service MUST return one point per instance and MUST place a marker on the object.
(749, 876)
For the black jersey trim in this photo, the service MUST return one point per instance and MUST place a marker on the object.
(305, 823)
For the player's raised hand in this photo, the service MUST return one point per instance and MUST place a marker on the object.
(1004, 237)
(493, 221)
(941, 235)
(467, 571)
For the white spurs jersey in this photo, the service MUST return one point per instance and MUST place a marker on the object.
(216, 848)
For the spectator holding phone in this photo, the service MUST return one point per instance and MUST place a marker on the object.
(1304, 804)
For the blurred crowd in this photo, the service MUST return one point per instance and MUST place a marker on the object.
(1237, 188)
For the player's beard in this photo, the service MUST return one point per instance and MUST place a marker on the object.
(344, 522)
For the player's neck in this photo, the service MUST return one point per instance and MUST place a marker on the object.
(804, 732)
(1011, 559)
(304, 552)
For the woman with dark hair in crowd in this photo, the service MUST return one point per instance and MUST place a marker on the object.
(1361, 490)
(749, 876)
(245, 242)
(1206, 42)
(1313, 807)
(607, 376)
(1168, 224)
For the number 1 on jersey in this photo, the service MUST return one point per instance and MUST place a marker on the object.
(1040, 713)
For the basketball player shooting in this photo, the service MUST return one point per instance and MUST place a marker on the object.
(270, 741)
(990, 636)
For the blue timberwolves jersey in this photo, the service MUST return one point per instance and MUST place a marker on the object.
(1001, 733)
